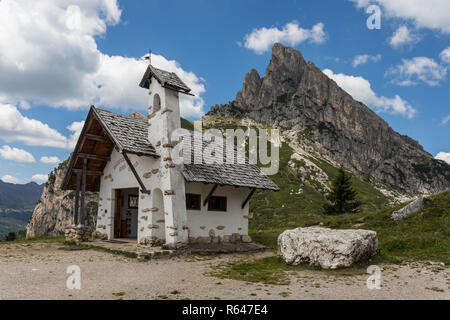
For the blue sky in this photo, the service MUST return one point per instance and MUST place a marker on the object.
(58, 57)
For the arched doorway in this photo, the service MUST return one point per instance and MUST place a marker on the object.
(158, 216)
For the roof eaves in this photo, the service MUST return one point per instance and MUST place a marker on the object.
(77, 147)
(108, 131)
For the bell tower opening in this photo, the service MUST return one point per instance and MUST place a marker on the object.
(156, 103)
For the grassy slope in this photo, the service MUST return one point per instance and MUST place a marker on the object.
(287, 208)
(418, 237)
(12, 222)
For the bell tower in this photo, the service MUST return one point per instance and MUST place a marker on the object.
(164, 89)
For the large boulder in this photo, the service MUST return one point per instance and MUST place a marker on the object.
(412, 208)
(325, 247)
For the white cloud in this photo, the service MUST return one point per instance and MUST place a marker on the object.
(445, 120)
(418, 69)
(16, 154)
(364, 58)
(360, 89)
(15, 127)
(431, 14)
(443, 156)
(445, 55)
(49, 55)
(76, 128)
(9, 179)
(260, 40)
(40, 177)
(50, 160)
(402, 36)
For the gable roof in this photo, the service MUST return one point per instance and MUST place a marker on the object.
(104, 131)
(165, 78)
(129, 134)
(209, 171)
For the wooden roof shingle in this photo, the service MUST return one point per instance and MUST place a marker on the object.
(166, 78)
(131, 133)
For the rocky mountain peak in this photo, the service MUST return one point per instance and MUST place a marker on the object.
(287, 60)
(295, 95)
(250, 88)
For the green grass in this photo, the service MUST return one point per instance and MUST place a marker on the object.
(127, 254)
(419, 237)
(13, 221)
(119, 294)
(44, 239)
(186, 124)
(272, 270)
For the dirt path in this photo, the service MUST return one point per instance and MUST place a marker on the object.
(38, 271)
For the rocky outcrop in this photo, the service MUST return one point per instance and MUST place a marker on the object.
(411, 209)
(295, 95)
(325, 247)
(54, 211)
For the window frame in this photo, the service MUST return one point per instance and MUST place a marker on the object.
(156, 106)
(133, 198)
(223, 209)
(199, 202)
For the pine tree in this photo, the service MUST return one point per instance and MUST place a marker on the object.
(342, 196)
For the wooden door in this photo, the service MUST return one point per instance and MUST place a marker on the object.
(118, 215)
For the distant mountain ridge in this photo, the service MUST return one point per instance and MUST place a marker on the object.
(297, 97)
(19, 197)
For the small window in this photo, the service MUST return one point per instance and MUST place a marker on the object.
(133, 201)
(193, 201)
(217, 204)
(156, 103)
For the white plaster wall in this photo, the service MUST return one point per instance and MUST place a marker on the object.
(157, 127)
(162, 124)
(234, 220)
(117, 175)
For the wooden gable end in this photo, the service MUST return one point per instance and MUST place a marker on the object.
(95, 145)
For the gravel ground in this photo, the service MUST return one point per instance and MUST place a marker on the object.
(38, 271)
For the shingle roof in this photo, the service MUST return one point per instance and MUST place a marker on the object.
(208, 170)
(131, 133)
(167, 79)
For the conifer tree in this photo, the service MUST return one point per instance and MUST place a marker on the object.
(342, 198)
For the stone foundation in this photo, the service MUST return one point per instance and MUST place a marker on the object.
(234, 238)
(77, 234)
(150, 241)
(99, 235)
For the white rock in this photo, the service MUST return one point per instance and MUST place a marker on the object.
(325, 247)
(412, 208)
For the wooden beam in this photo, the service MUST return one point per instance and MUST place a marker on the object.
(89, 172)
(210, 194)
(77, 200)
(83, 191)
(95, 137)
(93, 156)
(248, 198)
(143, 188)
